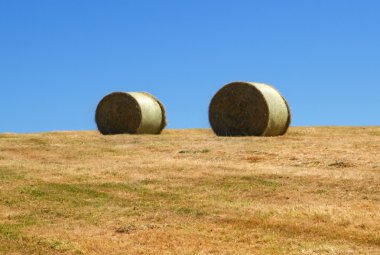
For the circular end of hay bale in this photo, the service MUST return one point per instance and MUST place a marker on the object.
(234, 109)
(118, 113)
(249, 109)
(130, 113)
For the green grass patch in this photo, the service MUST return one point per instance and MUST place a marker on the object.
(59, 245)
(81, 200)
(10, 231)
(241, 182)
(193, 151)
(146, 189)
(190, 211)
(8, 174)
(12, 239)
(74, 194)
(260, 181)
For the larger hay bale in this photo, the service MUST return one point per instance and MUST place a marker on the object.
(248, 108)
(130, 112)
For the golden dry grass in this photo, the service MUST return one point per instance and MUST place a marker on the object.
(313, 191)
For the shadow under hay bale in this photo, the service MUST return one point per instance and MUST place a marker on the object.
(130, 113)
(249, 109)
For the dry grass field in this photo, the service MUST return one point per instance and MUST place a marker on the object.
(312, 191)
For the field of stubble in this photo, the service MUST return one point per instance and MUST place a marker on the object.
(312, 191)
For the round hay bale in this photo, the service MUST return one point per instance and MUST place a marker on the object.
(249, 109)
(131, 113)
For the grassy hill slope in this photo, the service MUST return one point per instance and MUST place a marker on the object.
(312, 191)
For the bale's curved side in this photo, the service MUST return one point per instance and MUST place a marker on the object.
(130, 112)
(247, 108)
(289, 120)
(152, 112)
(278, 110)
(163, 111)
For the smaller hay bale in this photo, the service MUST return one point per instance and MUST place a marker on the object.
(249, 109)
(130, 113)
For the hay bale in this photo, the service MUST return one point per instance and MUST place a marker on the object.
(248, 108)
(130, 112)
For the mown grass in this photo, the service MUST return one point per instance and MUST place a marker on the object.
(8, 174)
(10, 231)
(82, 193)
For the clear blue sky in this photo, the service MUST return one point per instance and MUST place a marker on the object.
(59, 58)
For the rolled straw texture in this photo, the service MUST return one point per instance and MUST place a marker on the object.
(130, 113)
(249, 109)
